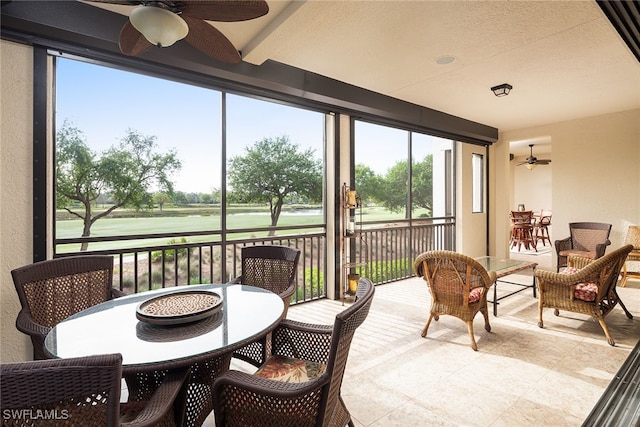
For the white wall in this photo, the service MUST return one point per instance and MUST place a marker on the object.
(471, 228)
(596, 175)
(16, 119)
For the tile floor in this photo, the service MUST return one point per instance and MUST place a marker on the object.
(521, 375)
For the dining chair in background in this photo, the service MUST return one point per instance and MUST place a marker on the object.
(586, 286)
(522, 229)
(273, 268)
(83, 391)
(458, 285)
(52, 290)
(299, 384)
(586, 239)
(632, 238)
(541, 227)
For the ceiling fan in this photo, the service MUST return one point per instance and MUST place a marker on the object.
(532, 161)
(163, 22)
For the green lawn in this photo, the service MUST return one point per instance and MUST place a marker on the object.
(184, 222)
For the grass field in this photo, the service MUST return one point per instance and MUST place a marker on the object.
(180, 220)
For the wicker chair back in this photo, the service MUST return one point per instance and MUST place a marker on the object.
(52, 290)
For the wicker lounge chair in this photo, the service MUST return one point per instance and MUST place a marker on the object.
(587, 239)
(82, 391)
(458, 286)
(272, 268)
(299, 385)
(587, 287)
(52, 290)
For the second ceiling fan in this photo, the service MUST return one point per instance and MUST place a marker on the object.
(163, 22)
(532, 161)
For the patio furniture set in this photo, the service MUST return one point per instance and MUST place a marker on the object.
(459, 284)
(176, 364)
(87, 336)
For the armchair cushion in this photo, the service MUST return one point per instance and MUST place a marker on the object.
(290, 370)
(585, 291)
(584, 254)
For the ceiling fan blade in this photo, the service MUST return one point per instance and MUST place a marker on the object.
(122, 2)
(210, 41)
(225, 10)
(131, 41)
(544, 161)
(521, 163)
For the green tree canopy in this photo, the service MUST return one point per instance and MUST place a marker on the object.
(391, 190)
(369, 185)
(272, 171)
(127, 172)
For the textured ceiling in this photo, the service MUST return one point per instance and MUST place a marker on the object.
(563, 58)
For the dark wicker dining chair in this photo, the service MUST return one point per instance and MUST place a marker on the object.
(586, 239)
(587, 286)
(273, 268)
(299, 385)
(52, 290)
(458, 285)
(83, 391)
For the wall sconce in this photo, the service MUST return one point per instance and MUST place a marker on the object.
(159, 26)
(502, 90)
(531, 166)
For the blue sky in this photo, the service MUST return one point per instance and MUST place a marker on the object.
(104, 103)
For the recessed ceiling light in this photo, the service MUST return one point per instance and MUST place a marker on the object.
(445, 59)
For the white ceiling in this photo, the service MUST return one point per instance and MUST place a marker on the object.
(563, 58)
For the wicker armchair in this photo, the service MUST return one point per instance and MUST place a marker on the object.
(299, 385)
(458, 286)
(272, 268)
(52, 290)
(587, 239)
(587, 287)
(82, 391)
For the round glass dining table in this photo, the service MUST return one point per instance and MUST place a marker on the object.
(247, 313)
(205, 346)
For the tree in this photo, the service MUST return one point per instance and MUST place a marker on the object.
(422, 183)
(127, 172)
(160, 198)
(395, 185)
(369, 185)
(273, 170)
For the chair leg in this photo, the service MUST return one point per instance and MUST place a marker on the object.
(474, 346)
(426, 327)
(623, 281)
(487, 325)
(606, 331)
(629, 315)
(540, 324)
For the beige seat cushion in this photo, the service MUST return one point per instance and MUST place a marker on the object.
(290, 370)
(584, 254)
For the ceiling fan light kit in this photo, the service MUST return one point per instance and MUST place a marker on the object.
(531, 162)
(159, 26)
(164, 22)
(502, 90)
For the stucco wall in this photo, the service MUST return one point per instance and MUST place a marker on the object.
(16, 118)
(596, 175)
